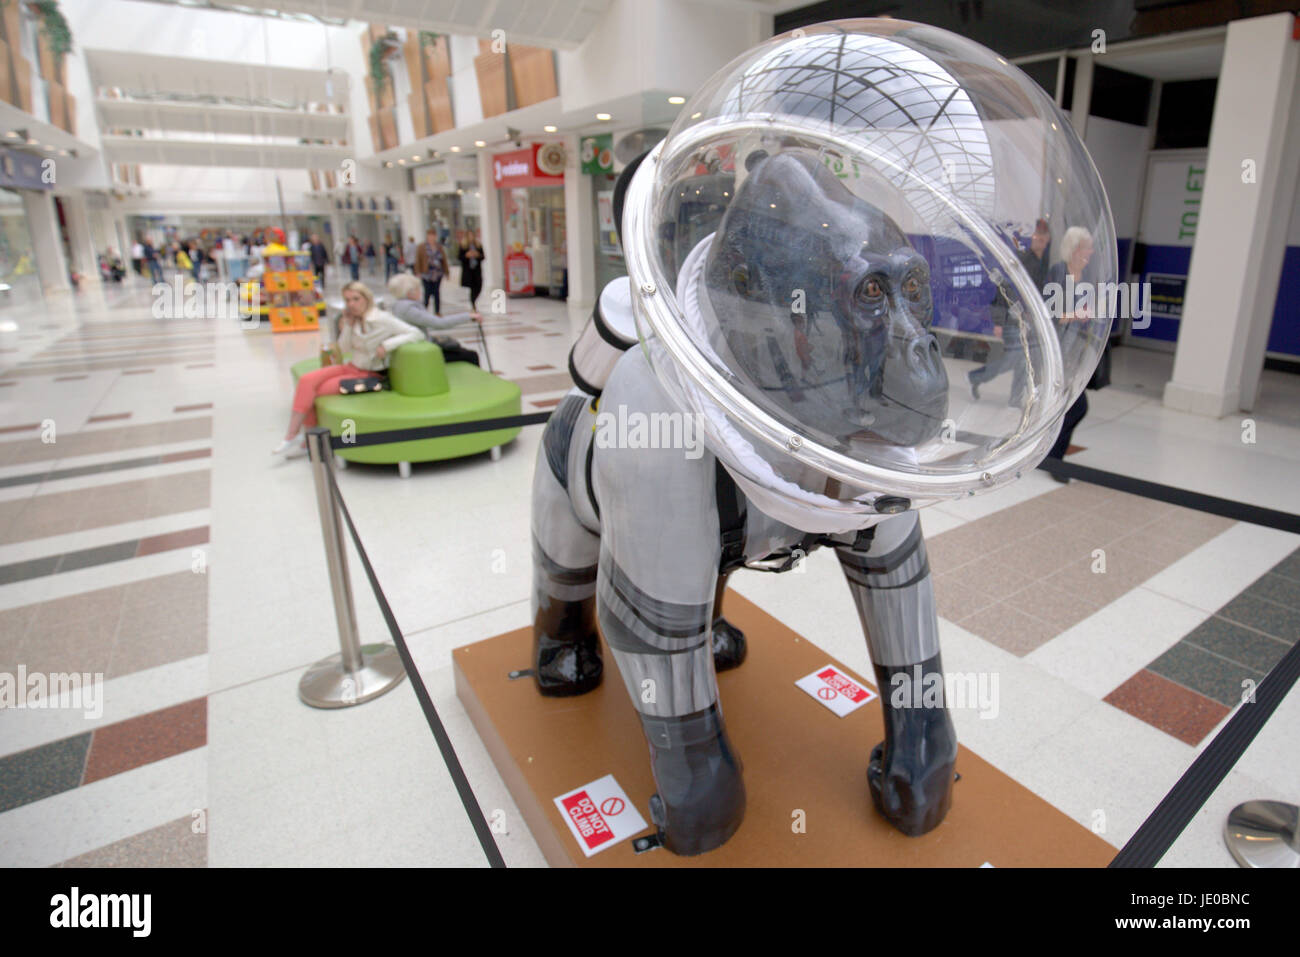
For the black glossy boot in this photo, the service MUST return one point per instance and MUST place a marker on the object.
(911, 772)
(729, 645)
(700, 797)
(566, 648)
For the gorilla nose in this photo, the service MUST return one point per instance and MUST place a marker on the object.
(927, 379)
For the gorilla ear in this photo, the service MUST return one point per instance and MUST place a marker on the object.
(620, 192)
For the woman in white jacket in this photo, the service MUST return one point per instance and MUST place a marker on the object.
(371, 336)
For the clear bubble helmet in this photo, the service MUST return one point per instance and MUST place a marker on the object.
(825, 243)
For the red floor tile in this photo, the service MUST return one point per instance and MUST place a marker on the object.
(183, 456)
(1181, 712)
(165, 543)
(150, 737)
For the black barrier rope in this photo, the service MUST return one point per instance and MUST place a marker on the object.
(472, 809)
(1226, 507)
(1199, 781)
(437, 431)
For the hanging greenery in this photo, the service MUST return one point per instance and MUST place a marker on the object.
(54, 26)
(378, 73)
(428, 38)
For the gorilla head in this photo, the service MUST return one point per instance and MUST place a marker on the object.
(826, 307)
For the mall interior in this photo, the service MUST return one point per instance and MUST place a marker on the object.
(186, 187)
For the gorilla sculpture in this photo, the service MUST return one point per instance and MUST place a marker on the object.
(642, 539)
(662, 619)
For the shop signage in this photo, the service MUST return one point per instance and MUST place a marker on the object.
(24, 171)
(519, 168)
(434, 178)
(597, 154)
(1167, 293)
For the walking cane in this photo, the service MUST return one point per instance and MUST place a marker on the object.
(483, 341)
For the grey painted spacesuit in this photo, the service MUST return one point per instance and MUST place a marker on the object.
(824, 423)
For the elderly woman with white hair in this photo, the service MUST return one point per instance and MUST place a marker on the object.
(407, 292)
(1068, 274)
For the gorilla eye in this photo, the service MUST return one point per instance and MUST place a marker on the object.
(911, 288)
(870, 291)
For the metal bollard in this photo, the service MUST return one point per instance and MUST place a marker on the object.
(1264, 834)
(359, 672)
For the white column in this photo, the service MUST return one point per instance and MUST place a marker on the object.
(1081, 99)
(85, 261)
(47, 246)
(493, 265)
(578, 221)
(411, 210)
(1240, 239)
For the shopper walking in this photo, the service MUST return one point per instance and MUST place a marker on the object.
(351, 257)
(151, 261)
(431, 266)
(392, 253)
(137, 257)
(1035, 259)
(320, 257)
(471, 267)
(371, 335)
(408, 254)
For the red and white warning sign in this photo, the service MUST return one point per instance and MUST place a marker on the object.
(599, 814)
(836, 690)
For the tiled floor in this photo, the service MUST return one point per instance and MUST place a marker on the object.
(152, 543)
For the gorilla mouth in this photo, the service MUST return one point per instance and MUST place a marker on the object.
(895, 422)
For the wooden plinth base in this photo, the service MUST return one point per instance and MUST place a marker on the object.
(797, 756)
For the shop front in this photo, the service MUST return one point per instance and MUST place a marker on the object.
(448, 191)
(597, 159)
(534, 231)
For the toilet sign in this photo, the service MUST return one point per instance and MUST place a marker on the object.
(836, 690)
(599, 815)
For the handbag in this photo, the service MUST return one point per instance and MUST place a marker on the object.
(1101, 375)
(367, 384)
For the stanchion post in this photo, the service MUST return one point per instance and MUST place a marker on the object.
(359, 672)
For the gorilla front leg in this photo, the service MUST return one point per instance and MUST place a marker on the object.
(664, 653)
(910, 775)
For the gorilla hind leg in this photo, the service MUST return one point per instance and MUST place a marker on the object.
(566, 644)
(729, 644)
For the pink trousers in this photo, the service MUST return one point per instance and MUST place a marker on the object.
(323, 381)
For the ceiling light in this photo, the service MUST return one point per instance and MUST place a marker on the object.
(676, 100)
(480, 142)
(455, 149)
(550, 129)
(401, 162)
(13, 133)
(389, 163)
(696, 116)
(415, 159)
(603, 117)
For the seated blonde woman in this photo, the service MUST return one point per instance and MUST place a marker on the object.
(370, 335)
(407, 291)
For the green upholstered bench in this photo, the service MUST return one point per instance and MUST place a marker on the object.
(425, 391)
